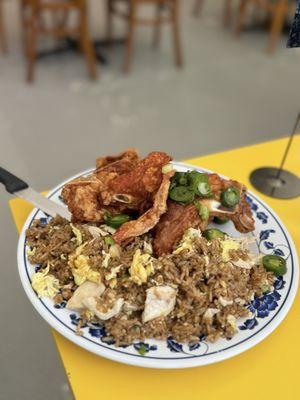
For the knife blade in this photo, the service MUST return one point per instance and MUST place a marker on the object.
(19, 188)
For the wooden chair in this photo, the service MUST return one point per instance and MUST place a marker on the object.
(3, 44)
(35, 23)
(170, 7)
(227, 12)
(277, 11)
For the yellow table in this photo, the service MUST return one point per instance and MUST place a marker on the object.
(270, 370)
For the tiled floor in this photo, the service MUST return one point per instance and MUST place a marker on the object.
(229, 94)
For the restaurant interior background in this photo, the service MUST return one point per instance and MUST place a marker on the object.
(229, 93)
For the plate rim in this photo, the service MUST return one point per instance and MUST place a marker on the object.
(155, 362)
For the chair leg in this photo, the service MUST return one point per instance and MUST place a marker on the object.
(277, 25)
(86, 45)
(109, 21)
(3, 44)
(31, 41)
(129, 39)
(157, 26)
(227, 13)
(23, 28)
(198, 6)
(241, 16)
(176, 35)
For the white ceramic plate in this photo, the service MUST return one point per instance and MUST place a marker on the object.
(268, 310)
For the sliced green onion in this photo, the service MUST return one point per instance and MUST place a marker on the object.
(202, 210)
(230, 197)
(167, 168)
(265, 288)
(109, 240)
(275, 264)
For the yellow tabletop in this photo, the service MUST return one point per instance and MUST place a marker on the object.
(270, 370)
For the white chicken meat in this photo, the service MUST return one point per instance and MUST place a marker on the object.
(160, 301)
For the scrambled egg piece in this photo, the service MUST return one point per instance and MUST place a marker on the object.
(105, 259)
(232, 321)
(141, 267)
(81, 269)
(228, 245)
(113, 273)
(187, 240)
(77, 234)
(45, 285)
(30, 252)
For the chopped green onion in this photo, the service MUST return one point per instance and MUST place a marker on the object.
(142, 350)
(265, 288)
(167, 168)
(202, 210)
(109, 240)
(275, 264)
(230, 197)
(115, 221)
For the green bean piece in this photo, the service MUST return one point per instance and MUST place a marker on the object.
(220, 221)
(180, 178)
(211, 234)
(182, 194)
(115, 221)
(195, 178)
(230, 197)
(275, 264)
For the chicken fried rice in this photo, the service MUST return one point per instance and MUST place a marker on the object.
(200, 289)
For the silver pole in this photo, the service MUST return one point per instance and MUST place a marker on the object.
(278, 182)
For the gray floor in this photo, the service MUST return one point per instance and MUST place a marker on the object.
(229, 94)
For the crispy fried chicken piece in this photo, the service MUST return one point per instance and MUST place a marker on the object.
(150, 218)
(136, 187)
(122, 183)
(172, 226)
(82, 200)
(130, 155)
(179, 218)
(108, 168)
(144, 179)
(243, 219)
(241, 215)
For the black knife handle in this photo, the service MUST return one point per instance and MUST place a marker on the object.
(11, 182)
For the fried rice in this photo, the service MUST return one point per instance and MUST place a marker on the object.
(212, 290)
